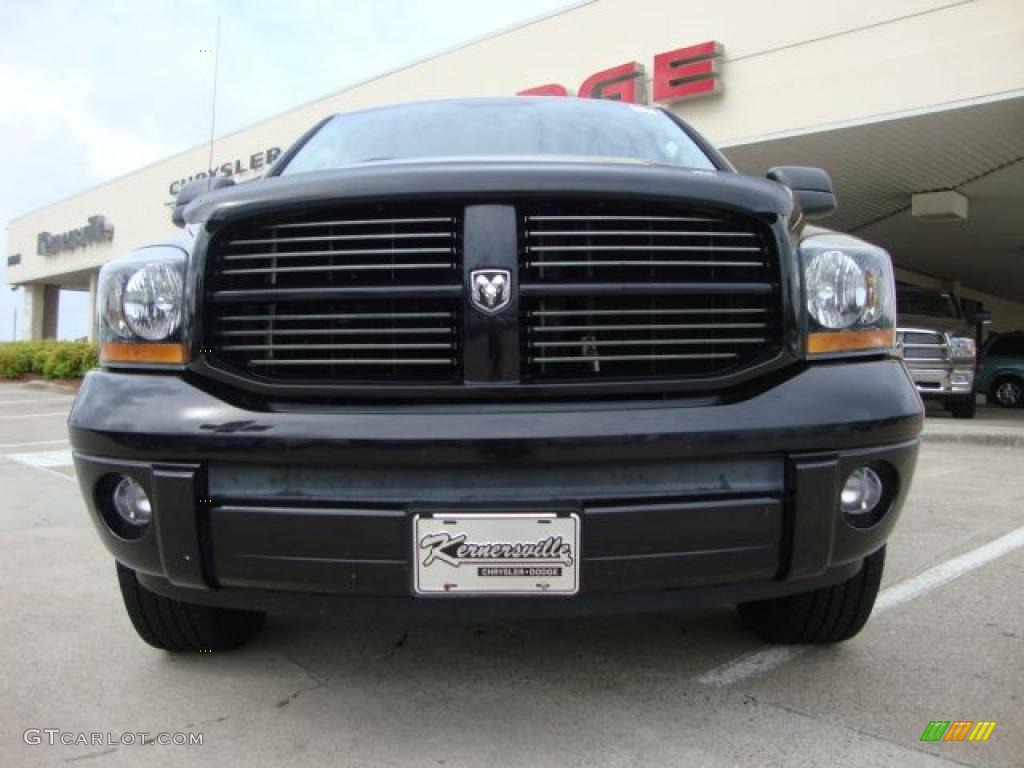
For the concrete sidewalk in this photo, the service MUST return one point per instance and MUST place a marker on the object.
(1001, 427)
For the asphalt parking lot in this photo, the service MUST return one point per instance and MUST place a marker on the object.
(690, 689)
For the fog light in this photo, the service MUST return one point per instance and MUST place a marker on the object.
(862, 492)
(962, 381)
(132, 503)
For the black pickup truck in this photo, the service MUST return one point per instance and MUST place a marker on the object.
(498, 357)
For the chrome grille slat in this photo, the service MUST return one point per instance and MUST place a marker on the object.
(585, 285)
(306, 254)
(643, 248)
(648, 327)
(342, 316)
(332, 362)
(362, 222)
(616, 312)
(644, 263)
(640, 342)
(634, 233)
(624, 358)
(332, 331)
(281, 347)
(331, 268)
(640, 217)
(338, 238)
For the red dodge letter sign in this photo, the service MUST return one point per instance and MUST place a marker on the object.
(618, 84)
(551, 89)
(680, 74)
(686, 72)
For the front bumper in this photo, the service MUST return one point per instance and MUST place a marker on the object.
(305, 507)
(942, 381)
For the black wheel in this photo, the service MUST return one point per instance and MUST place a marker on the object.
(173, 625)
(965, 408)
(1008, 392)
(827, 615)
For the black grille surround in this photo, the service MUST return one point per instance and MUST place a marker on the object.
(614, 298)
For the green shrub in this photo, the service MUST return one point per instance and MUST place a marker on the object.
(52, 359)
(41, 353)
(15, 361)
(87, 358)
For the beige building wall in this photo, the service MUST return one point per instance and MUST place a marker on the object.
(789, 66)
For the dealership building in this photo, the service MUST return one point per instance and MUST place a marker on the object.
(915, 108)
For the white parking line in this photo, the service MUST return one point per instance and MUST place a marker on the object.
(44, 458)
(750, 665)
(33, 442)
(764, 661)
(61, 475)
(940, 575)
(44, 461)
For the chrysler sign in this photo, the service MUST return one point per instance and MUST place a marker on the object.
(684, 73)
(255, 163)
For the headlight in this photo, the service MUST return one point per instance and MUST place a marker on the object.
(152, 301)
(140, 306)
(962, 348)
(849, 294)
(836, 289)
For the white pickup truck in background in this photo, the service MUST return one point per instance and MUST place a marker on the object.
(938, 346)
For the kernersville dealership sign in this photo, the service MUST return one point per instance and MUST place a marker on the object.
(99, 229)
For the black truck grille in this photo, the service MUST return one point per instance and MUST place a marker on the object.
(608, 291)
(360, 296)
(613, 291)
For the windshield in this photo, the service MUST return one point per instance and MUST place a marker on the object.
(929, 303)
(524, 126)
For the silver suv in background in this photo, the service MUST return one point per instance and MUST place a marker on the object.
(938, 346)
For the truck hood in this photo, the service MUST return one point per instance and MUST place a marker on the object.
(490, 177)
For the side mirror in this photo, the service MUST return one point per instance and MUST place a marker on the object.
(193, 190)
(811, 187)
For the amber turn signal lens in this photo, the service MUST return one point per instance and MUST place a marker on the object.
(120, 352)
(850, 341)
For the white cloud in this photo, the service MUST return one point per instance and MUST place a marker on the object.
(62, 112)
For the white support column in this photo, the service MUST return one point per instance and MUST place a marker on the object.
(51, 311)
(94, 281)
(33, 309)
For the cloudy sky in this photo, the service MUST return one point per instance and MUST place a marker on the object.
(92, 90)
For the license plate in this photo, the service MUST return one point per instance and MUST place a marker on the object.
(496, 554)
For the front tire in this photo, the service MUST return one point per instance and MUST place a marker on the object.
(827, 615)
(174, 625)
